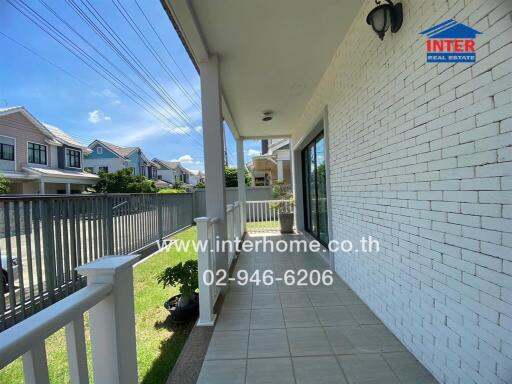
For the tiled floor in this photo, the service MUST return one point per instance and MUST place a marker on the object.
(302, 334)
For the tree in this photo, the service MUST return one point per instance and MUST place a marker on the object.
(124, 181)
(231, 174)
(5, 185)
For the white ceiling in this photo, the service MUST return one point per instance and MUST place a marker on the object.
(272, 54)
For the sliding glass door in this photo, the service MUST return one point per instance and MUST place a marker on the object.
(315, 191)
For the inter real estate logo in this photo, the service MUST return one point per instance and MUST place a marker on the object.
(450, 42)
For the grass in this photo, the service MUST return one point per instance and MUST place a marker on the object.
(159, 342)
(263, 226)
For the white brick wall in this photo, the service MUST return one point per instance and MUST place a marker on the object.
(420, 157)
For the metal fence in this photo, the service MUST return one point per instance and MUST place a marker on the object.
(44, 238)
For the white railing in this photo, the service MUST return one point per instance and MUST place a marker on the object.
(263, 215)
(108, 297)
(211, 259)
(234, 228)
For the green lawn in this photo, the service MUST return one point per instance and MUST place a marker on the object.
(263, 226)
(158, 341)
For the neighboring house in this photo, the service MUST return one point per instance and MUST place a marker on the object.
(195, 176)
(172, 171)
(273, 164)
(38, 157)
(108, 157)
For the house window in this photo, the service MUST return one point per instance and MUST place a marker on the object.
(6, 152)
(159, 177)
(89, 169)
(99, 150)
(36, 153)
(102, 169)
(73, 158)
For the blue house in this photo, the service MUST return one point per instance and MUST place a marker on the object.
(108, 157)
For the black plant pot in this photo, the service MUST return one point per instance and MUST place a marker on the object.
(182, 314)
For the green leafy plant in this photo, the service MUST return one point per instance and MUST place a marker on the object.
(124, 181)
(231, 176)
(284, 195)
(183, 275)
(200, 185)
(178, 184)
(171, 191)
(5, 185)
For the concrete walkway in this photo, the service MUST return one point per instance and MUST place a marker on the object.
(306, 335)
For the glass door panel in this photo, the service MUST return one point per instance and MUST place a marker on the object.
(315, 193)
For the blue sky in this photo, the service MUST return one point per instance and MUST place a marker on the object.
(87, 106)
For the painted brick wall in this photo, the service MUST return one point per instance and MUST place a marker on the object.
(421, 158)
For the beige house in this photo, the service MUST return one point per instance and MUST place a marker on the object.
(273, 164)
(40, 158)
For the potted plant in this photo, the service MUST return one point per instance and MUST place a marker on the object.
(284, 206)
(185, 306)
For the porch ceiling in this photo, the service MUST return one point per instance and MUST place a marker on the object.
(272, 53)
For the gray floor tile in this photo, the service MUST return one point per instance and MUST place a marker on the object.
(308, 342)
(363, 315)
(265, 300)
(318, 370)
(300, 317)
(269, 371)
(228, 345)
(335, 316)
(233, 319)
(267, 318)
(341, 341)
(294, 300)
(367, 369)
(348, 297)
(235, 300)
(222, 372)
(323, 299)
(406, 366)
(268, 343)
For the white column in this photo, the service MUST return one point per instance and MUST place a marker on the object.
(68, 189)
(280, 173)
(213, 138)
(41, 187)
(242, 194)
(296, 173)
(112, 321)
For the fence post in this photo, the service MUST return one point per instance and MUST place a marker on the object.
(160, 216)
(48, 247)
(109, 226)
(206, 316)
(112, 321)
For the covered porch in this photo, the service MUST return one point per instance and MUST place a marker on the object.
(301, 333)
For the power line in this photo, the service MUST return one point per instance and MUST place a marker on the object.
(44, 58)
(93, 64)
(166, 49)
(152, 50)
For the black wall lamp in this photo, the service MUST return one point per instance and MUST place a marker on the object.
(384, 16)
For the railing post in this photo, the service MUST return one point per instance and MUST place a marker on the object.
(77, 356)
(112, 321)
(206, 316)
(35, 365)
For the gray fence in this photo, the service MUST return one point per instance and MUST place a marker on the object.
(44, 238)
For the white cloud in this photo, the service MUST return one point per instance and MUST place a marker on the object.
(96, 117)
(178, 130)
(253, 152)
(185, 159)
(198, 129)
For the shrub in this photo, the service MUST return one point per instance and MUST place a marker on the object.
(183, 274)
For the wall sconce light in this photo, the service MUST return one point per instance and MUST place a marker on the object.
(384, 16)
